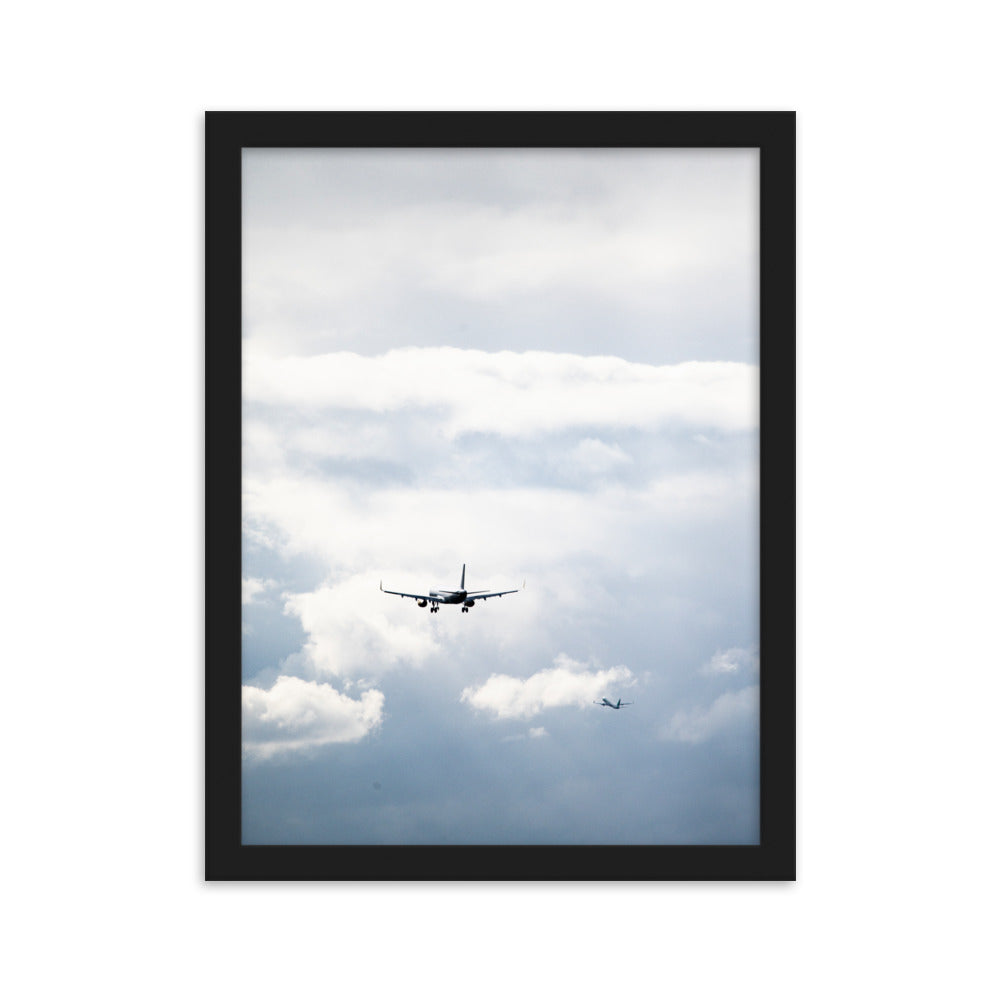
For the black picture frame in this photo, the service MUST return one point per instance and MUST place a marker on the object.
(226, 135)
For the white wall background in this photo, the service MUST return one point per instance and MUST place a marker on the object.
(101, 387)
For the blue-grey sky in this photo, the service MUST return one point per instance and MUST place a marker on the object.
(542, 364)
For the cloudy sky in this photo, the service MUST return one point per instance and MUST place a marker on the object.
(541, 364)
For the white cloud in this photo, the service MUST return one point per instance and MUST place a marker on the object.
(731, 661)
(594, 457)
(351, 632)
(511, 393)
(484, 253)
(252, 587)
(535, 733)
(567, 684)
(566, 544)
(433, 527)
(299, 715)
(728, 711)
(345, 241)
(415, 532)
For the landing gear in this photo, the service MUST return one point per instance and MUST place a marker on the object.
(434, 608)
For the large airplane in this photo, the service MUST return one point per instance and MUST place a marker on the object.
(604, 703)
(467, 598)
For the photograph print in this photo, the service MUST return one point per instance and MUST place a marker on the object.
(500, 496)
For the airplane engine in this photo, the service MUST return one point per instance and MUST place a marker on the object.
(469, 604)
(421, 604)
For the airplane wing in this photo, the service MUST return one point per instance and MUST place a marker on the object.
(483, 597)
(399, 593)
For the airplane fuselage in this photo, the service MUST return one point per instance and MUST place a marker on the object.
(448, 596)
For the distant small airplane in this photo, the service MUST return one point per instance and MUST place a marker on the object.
(604, 703)
(467, 598)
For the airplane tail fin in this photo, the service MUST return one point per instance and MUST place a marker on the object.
(461, 586)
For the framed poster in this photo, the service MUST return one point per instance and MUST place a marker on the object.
(500, 452)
